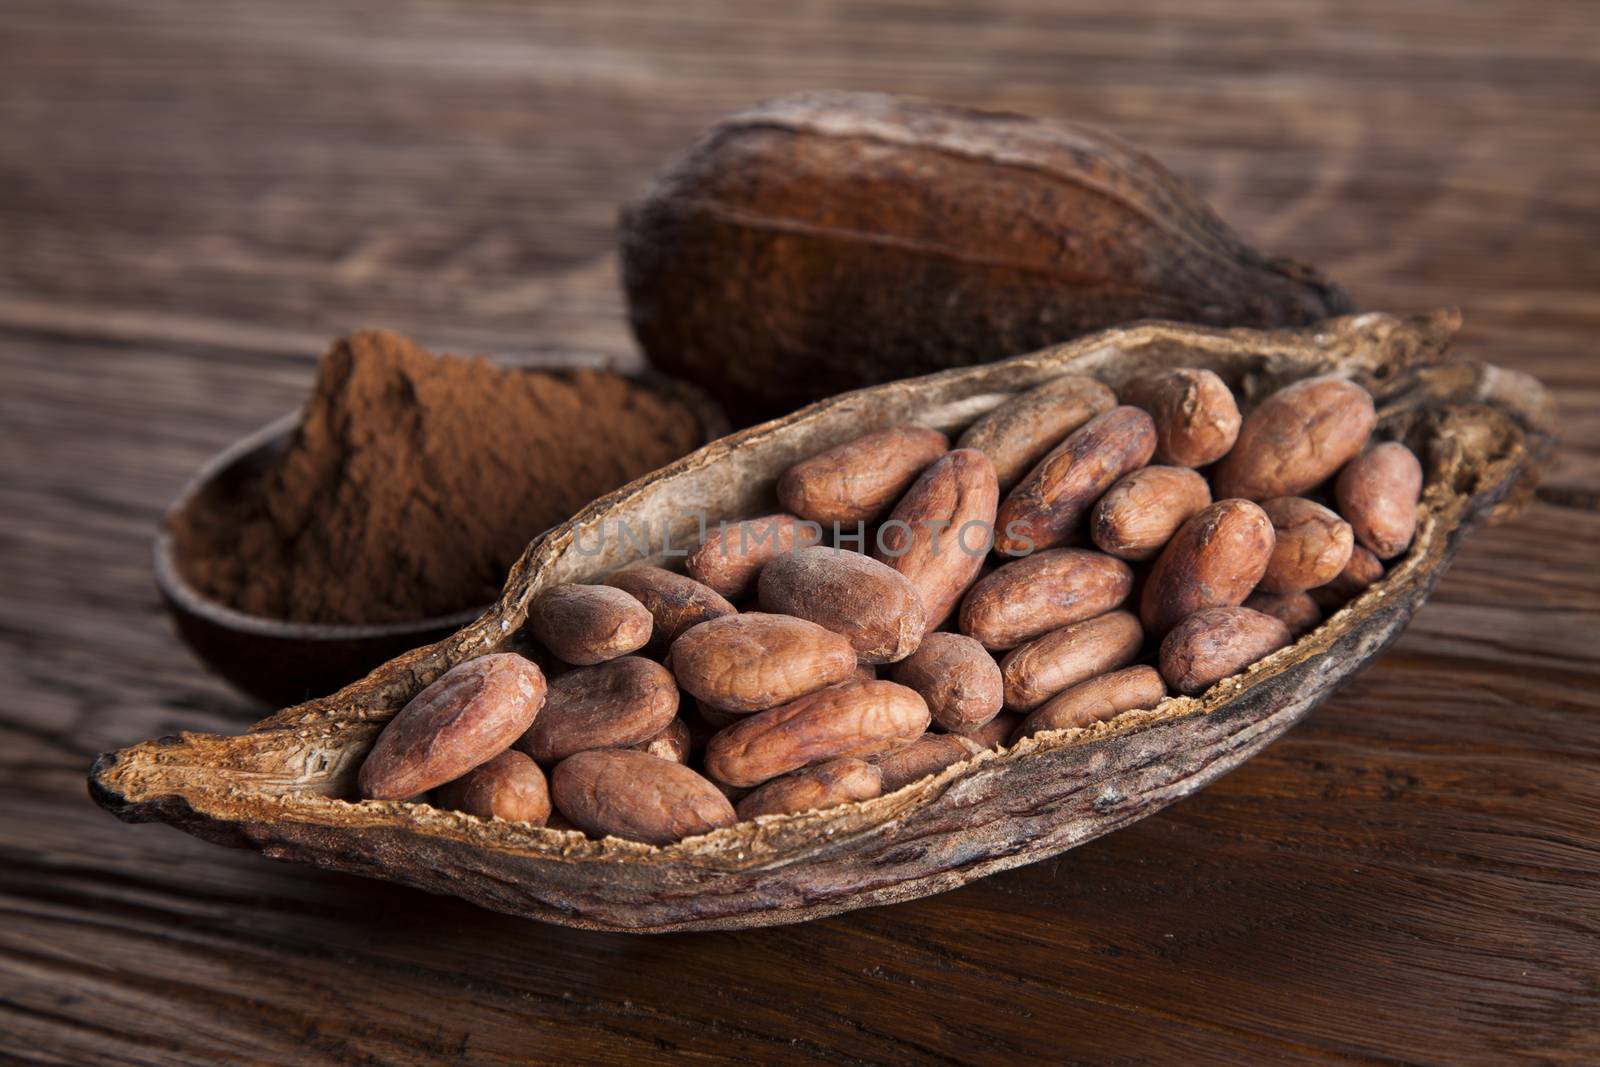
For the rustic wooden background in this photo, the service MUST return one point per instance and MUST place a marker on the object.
(196, 196)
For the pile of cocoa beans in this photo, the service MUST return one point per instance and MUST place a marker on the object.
(1074, 557)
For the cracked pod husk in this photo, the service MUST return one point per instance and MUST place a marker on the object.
(287, 787)
(826, 241)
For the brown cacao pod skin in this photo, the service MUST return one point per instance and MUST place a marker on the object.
(826, 241)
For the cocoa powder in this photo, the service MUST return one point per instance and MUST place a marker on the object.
(415, 481)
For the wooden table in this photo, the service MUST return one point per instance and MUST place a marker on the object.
(196, 197)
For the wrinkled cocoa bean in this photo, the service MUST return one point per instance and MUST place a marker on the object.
(675, 601)
(754, 661)
(511, 786)
(1139, 515)
(859, 480)
(468, 716)
(1196, 417)
(940, 532)
(849, 719)
(872, 605)
(672, 743)
(1017, 434)
(957, 678)
(731, 556)
(1045, 591)
(1297, 438)
(1043, 667)
(827, 785)
(1377, 492)
(1298, 611)
(1213, 644)
(1048, 504)
(1311, 545)
(994, 733)
(1097, 700)
(928, 754)
(1214, 560)
(1363, 569)
(630, 794)
(614, 705)
(588, 624)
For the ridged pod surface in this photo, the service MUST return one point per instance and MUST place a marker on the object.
(825, 241)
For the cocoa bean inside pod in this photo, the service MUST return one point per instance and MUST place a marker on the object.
(957, 677)
(1017, 434)
(1045, 508)
(826, 241)
(1214, 560)
(469, 715)
(871, 605)
(1139, 515)
(1311, 545)
(1197, 420)
(1363, 569)
(928, 754)
(994, 733)
(612, 705)
(1097, 700)
(732, 555)
(861, 479)
(1047, 590)
(1038, 670)
(754, 661)
(1296, 439)
(675, 742)
(827, 785)
(942, 529)
(634, 795)
(1210, 645)
(587, 624)
(848, 719)
(511, 786)
(675, 601)
(1377, 492)
(1298, 611)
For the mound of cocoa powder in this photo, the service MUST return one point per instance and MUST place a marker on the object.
(415, 481)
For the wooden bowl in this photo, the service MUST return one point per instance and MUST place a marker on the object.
(287, 788)
(281, 662)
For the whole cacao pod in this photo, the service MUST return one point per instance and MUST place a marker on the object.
(825, 241)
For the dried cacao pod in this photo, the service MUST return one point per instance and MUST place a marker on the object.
(825, 241)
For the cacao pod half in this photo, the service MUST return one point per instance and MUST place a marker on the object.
(826, 241)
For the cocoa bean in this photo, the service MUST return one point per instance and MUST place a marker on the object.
(872, 605)
(940, 532)
(1097, 700)
(1017, 434)
(1047, 506)
(861, 479)
(625, 793)
(754, 661)
(614, 705)
(994, 733)
(849, 719)
(1213, 644)
(672, 743)
(675, 601)
(1297, 438)
(1196, 417)
(1214, 560)
(1045, 591)
(511, 786)
(1139, 515)
(957, 678)
(588, 624)
(1377, 492)
(827, 785)
(1311, 545)
(731, 556)
(1298, 611)
(928, 754)
(469, 715)
(1043, 667)
(1363, 569)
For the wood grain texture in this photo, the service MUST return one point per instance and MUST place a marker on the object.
(195, 198)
